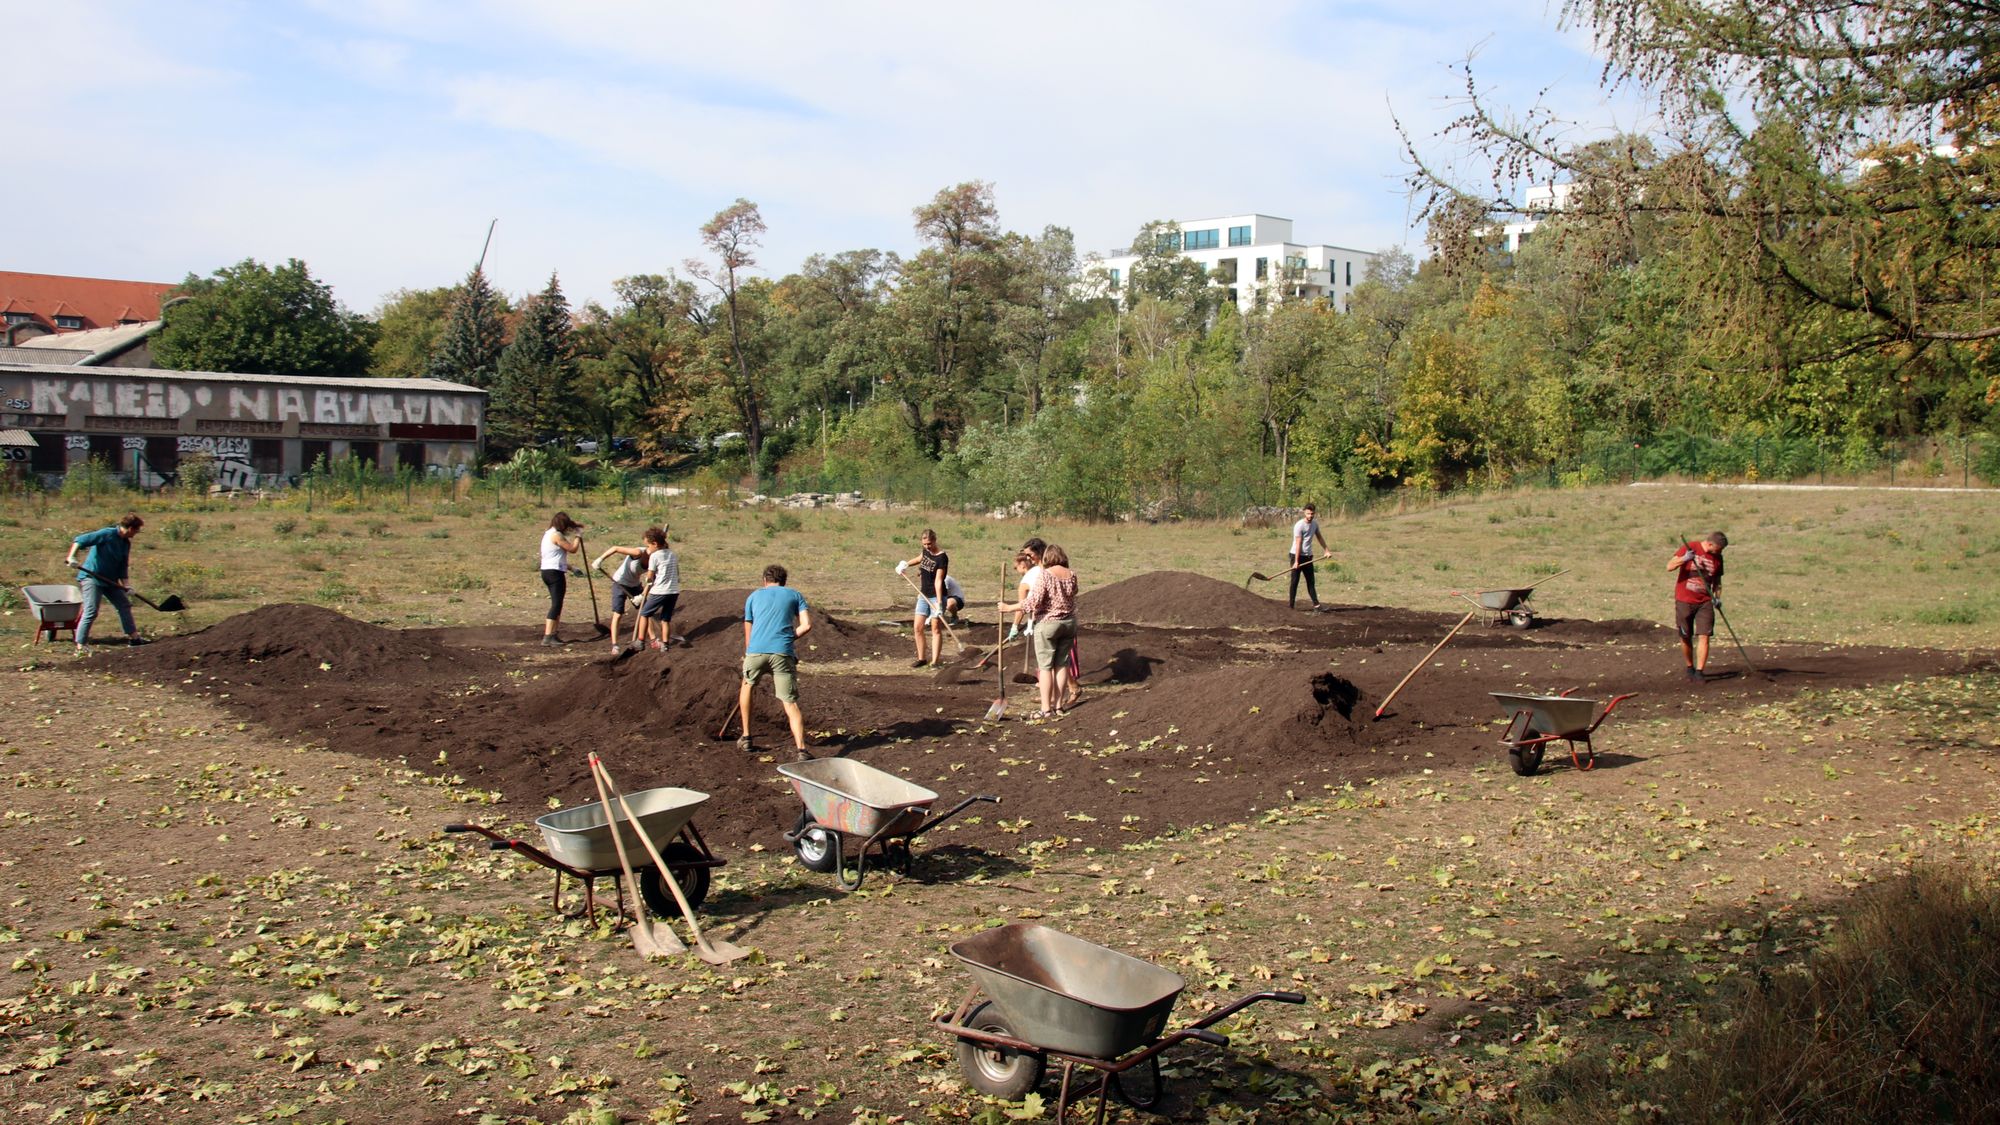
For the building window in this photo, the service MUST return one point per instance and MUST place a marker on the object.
(1170, 242)
(1294, 262)
(1225, 271)
(69, 322)
(1263, 268)
(1350, 273)
(20, 318)
(1232, 296)
(1114, 281)
(1201, 240)
(1239, 236)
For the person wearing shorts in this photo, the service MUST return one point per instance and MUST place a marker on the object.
(1051, 605)
(1697, 568)
(954, 599)
(628, 587)
(933, 568)
(663, 590)
(558, 543)
(1029, 563)
(774, 618)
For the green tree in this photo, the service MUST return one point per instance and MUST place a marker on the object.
(644, 364)
(535, 392)
(254, 318)
(468, 349)
(941, 323)
(733, 236)
(407, 326)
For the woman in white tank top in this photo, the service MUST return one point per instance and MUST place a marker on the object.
(558, 542)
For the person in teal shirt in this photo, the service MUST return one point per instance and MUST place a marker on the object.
(106, 573)
(774, 618)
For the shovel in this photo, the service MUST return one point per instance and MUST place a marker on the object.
(1259, 576)
(713, 952)
(1420, 664)
(999, 707)
(940, 605)
(649, 943)
(172, 603)
(1716, 600)
(596, 620)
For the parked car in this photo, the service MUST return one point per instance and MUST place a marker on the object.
(624, 445)
(586, 445)
(732, 437)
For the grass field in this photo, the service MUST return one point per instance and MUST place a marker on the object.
(211, 923)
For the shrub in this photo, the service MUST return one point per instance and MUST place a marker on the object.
(285, 526)
(335, 590)
(1948, 615)
(463, 580)
(182, 530)
(91, 478)
(189, 579)
(782, 522)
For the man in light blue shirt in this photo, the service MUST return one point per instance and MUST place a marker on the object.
(774, 618)
(106, 573)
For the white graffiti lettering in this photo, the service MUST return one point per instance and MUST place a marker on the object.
(76, 441)
(134, 398)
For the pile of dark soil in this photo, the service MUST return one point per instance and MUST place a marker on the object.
(1179, 726)
(1177, 597)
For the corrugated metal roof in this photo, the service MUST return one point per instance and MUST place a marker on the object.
(18, 437)
(154, 374)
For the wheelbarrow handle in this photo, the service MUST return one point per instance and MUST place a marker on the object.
(955, 810)
(1243, 1002)
(461, 828)
(1213, 1038)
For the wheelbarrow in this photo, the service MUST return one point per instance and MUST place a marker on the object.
(577, 842)
(846, 798)
(1534, 721)
(55, 607)
(1508, 605)
(1041, 994)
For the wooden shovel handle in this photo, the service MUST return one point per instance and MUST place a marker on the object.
(1426, 660)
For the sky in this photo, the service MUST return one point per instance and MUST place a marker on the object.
(376, 139)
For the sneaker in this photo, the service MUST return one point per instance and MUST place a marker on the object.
(918, 663)
(805, 755)
(744, 743)
(1693, 676)
(135, 642)
(615, 650)
(549, 642)
(656, 646)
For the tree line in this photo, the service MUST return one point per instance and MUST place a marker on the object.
(1795, 284)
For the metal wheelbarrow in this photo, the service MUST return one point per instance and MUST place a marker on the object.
(845, 798)
(1508, 605)
(577, 842)
(1042, 994)
(54, 607)
(1534, 721)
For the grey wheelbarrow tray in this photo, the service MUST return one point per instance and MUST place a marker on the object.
(1050, 995)
(54, 606)
(577, 842)
(844, 798)
(1501, 604)
(1534, 721)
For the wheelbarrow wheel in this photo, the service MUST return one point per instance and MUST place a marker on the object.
(693, 881)
(1525, 759)
(1141, 1087)
(818, 848)
(999, 1071)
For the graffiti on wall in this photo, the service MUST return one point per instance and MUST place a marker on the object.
(76, 441)
(142, 398)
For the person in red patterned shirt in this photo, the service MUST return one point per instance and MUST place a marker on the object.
(1697, 568)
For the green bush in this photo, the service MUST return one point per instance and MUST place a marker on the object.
(182, 530)
(188, 579)
(1948, 615)
(285, 526)
(463, 580)
(92, 478)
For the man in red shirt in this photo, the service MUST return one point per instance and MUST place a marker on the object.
(1697, 568)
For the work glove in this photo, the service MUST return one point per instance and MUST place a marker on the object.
(903, 566)
(1014, 633)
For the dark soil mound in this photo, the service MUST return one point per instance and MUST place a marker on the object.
(1177, 597)
(288, 644)
(719, 613)
(1274, 712)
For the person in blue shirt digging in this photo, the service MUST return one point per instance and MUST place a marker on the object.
(774, 618)
(106, 573)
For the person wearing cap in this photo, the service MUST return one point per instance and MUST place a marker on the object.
(1697, 568)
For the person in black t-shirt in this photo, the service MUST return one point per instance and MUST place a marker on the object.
(933, 566)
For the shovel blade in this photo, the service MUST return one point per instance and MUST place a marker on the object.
(655, 942)
(720, 952)
(998, 709)
(172, 603)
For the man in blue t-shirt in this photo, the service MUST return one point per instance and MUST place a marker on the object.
(106, 573)
(774, 618)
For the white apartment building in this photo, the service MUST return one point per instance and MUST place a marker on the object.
(1249, 256)
(1542, 199)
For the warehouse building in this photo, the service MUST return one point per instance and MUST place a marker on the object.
(263, 430)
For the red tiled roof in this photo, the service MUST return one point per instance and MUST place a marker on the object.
(99, 302)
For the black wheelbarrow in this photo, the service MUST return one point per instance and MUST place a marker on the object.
(577, 842)
(1042, 994)
(1534, 721)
